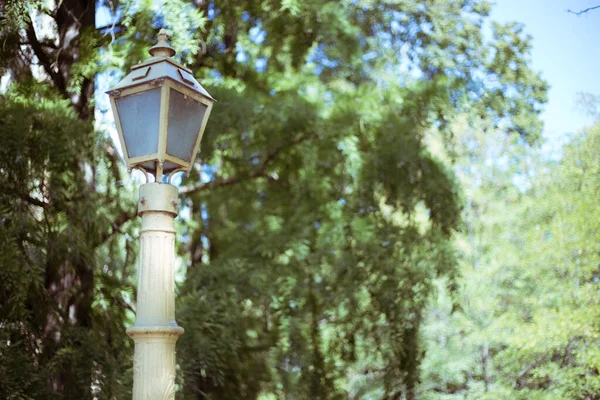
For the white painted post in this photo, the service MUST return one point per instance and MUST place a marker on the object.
(155, 331)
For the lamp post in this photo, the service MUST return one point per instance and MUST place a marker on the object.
(160, 111)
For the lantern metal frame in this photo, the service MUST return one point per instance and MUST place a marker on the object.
(160, 71)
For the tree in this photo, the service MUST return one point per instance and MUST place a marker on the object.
(464, 331)
(65, 279)
(525, 323)
(318, 217)
(341, 257)
(557, 313)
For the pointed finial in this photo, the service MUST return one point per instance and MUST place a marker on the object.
(163, 35)
(162, 48)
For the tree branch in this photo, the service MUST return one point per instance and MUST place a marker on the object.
(259, 171)
(32, 200)
(111, 26)
(217, 183)
(39, 52)
(578, 13)
(527, 368)
(117, 224)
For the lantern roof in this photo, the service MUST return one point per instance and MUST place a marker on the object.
(161, 66)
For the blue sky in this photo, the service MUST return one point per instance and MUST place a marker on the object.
(567, 52)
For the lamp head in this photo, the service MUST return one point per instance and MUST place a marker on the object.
(160, 111)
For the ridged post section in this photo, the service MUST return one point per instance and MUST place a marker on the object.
(155, 331)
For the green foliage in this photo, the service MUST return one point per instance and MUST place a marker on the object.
(65, 279)
(52, 233)
(305, 234)
(526, 326)
(315, 228)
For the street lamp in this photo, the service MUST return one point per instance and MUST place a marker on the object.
(160, 111)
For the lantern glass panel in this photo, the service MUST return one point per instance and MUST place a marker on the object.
(140, 120)
(185, 120)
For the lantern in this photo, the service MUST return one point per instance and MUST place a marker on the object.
(160, 112)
